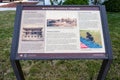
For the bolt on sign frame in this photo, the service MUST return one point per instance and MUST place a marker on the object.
(61, 32)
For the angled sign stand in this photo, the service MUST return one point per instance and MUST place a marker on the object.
(61, 32)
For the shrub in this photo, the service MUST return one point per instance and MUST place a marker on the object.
(112, 5)
(75, 2)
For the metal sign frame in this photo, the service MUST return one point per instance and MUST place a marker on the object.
(107, 58)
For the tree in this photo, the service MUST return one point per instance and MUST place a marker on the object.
(56, 2)
(97, 2)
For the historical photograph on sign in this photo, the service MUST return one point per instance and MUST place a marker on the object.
(63, 22)
(61, 19)
(90, 39)
(32, 34)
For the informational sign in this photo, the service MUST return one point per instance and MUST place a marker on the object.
(61, 32)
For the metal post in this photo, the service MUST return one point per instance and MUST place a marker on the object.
(17, 69)
(104, 69)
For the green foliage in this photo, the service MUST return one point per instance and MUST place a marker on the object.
(56, 2)
(51, 2)
(75, 2)
(96, 2)
(112, 5)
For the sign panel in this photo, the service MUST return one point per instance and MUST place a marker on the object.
(61, 32)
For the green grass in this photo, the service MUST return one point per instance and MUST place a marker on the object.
(57, 69)
(114, 27)
(6, 30)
